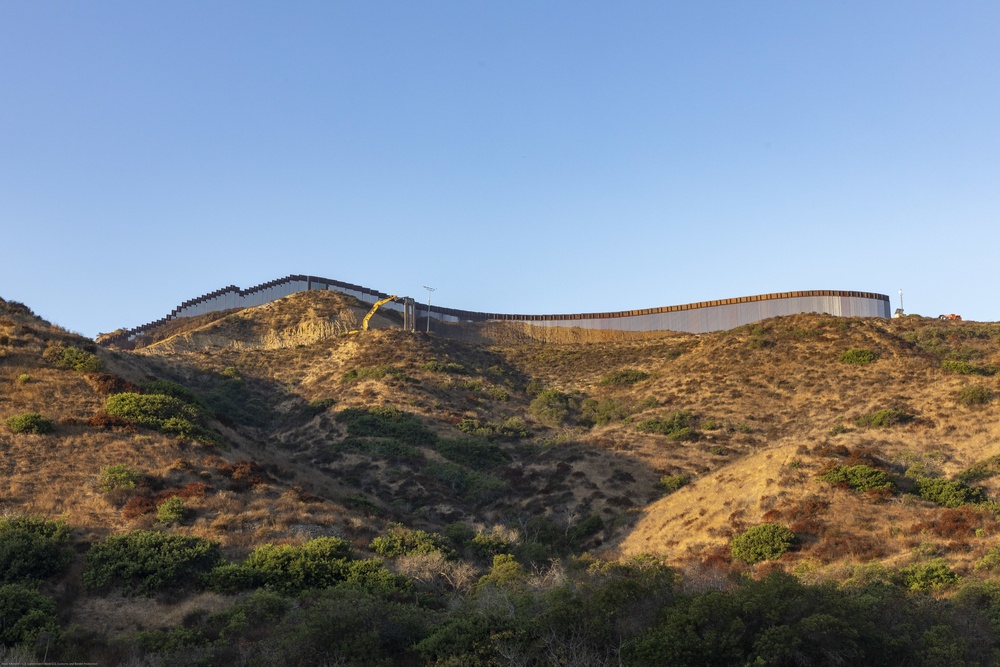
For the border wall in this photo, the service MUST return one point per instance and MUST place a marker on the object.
(701, 317)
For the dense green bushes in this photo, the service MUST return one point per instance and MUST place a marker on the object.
(144, 562)
(372, 373)
(436, 366)
(949, 493)
(965, 368)
(386, 422)
(473, 453)
(400, 541)
(883, 418)
(974, 395)
(552, 407)
(473, 486)
(32, 549)
(600, 412)
(676, 426)
(779, 621)
(118, 477)
(29, 422)
(25, 615)
(319, 563)
(73, 358)
(932, 575)
(624, 377)
(150, 410)
(859, 478)
(670, 483)
(509, 429)
(766, 541)
(857, 356)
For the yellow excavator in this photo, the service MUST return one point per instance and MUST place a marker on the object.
(368, 317)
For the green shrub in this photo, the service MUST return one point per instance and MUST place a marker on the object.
(160, 412)
(505, 573)
(859, 478)
(838, 429)
(857, 356)
(436, 366)
(883, 418)
(498, 393)
(32, 549)
(291, 569)
(933, 575)
(676, 426)
(980, 470)
(23, 378)
(345, 625)
(383, 448)
(949, 493)
(472, 486)
(73, 358)
(965, 368)
(144, 562)
(171, 511)
(766, 541)
(149, 410)
(473, 453)
(319, 405)
(510, 429)
(386, 422)
(234, 402)
(625, 376)
(178, 391)
(670, 483)
(400, 541)
(605, 411)
(991, 561)
(29, 422)
(974, 395)
(552, 407)
(487, 544)
(589, 526)
(372, 373)
(118, 477)
(25, 615)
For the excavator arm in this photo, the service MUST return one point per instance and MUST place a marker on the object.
(364, 322)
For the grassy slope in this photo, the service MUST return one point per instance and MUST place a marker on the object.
(764, 399)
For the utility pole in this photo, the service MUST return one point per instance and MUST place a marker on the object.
(429, 290)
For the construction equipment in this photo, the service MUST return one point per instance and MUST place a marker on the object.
(952, 316)
(368, 317)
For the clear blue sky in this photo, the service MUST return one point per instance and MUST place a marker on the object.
(518, 156)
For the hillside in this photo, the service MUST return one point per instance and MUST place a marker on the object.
(565, 449)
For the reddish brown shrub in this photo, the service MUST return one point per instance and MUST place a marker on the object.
(245, 474)
(827, 449)
(718, 557)
(879, 495)
(846, 545)
(956, 524)
(137, 507)
(194, 490)
(189, 490)
(864, 455)
(106, 422)
(108, 383)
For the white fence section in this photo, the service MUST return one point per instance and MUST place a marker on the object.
(692, 318)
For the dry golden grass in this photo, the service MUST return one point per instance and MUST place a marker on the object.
(764, 399)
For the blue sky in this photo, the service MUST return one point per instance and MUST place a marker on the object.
(518, 156)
